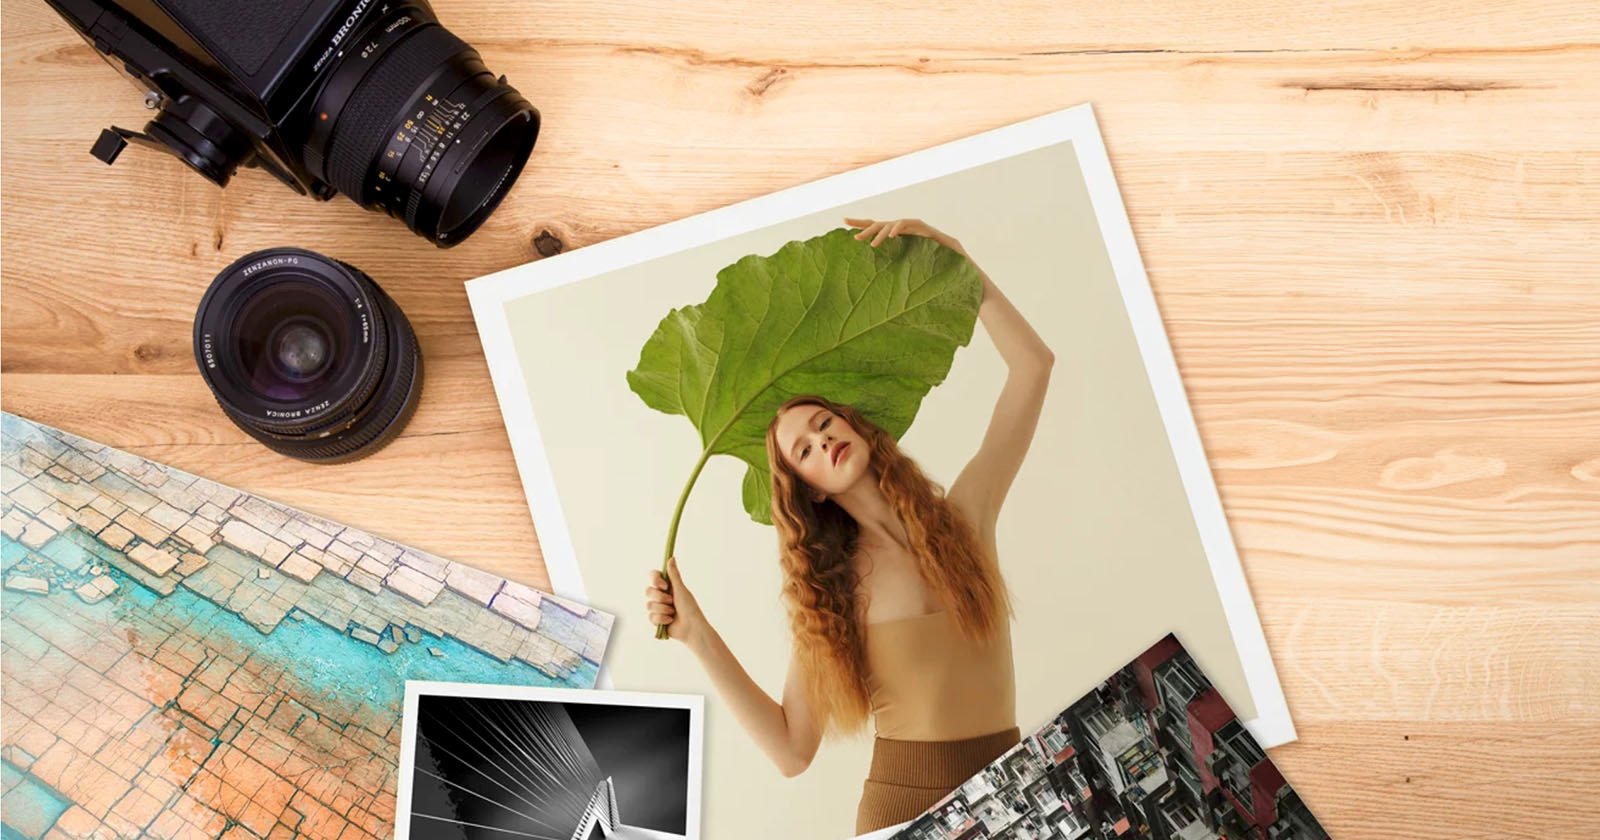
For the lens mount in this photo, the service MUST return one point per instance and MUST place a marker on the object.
(200, 137)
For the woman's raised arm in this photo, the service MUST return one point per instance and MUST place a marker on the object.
(986, 479)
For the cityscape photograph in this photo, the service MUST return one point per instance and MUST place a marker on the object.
(1152, 752)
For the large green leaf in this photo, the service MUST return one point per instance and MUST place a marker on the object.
(876, 328)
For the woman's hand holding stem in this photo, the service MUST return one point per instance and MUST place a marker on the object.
(784, 731)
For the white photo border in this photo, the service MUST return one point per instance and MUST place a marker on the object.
(415, 689)
(489, 295)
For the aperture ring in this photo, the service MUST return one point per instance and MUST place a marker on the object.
(463, 118)
(419, 138)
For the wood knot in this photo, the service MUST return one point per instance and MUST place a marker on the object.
(548, 244)
(147, 352)
(759, 87)
(1440, 469)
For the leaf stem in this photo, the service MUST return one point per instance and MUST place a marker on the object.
(677, 514)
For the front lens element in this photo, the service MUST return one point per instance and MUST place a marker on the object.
(301, 351)
(287, 338)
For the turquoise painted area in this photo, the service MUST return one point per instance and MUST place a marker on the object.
(326, 662)
(78, 544)
(29, 806)
(73, 549)
(11, 552)
(346, 667)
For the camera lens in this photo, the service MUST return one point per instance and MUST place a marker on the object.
(412, 123)
(307, 355)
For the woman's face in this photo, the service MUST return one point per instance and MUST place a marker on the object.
(822, 448)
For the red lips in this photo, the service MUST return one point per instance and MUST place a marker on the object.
(838, 452)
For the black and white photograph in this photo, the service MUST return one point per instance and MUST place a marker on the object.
(491, 762)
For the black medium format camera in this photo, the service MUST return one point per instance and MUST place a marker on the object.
(368, 98)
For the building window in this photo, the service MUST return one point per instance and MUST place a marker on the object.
(1180, 682)
(1139, 761)
(1240, 745)
(1057, 739)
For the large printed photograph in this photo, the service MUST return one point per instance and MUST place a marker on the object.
(887, 466)
(184, 659)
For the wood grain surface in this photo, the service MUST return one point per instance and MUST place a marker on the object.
(1373, 229)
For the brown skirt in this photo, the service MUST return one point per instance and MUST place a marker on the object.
(908, 777)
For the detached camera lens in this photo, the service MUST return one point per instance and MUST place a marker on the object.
(307, 355)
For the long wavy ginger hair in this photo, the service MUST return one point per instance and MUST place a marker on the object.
(820, 585)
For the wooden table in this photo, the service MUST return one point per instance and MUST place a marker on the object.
(1374, 232)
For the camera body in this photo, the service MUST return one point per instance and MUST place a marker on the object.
(202, 62)
(371, 98)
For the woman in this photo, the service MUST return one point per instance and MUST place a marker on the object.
(893, 587)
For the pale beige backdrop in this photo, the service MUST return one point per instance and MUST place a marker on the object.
(1371, 227)
(1097, 540)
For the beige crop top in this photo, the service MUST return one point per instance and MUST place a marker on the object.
(929, 682)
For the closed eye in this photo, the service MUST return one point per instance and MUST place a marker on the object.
(825, 423)
(804, 453)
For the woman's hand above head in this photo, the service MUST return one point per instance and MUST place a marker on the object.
(674, 606)
(875, 232)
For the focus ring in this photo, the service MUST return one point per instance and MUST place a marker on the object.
(380, 102)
